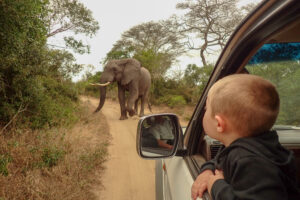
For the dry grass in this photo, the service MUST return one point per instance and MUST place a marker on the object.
(54, 164)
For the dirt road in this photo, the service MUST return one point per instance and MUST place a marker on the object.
(126, 176)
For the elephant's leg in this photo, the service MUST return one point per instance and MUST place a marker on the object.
(121, 96)
(143, 98)
(136, 110)
(132, 97)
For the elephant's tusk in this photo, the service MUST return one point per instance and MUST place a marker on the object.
(99, 84)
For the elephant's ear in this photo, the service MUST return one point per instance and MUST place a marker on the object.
(132, 70)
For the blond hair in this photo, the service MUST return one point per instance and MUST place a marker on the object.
(250, 102)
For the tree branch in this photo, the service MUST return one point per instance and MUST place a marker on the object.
(59, 30)
(12, 119)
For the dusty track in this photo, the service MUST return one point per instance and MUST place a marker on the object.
(127, 176)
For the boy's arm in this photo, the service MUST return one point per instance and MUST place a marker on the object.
(252, 178)
(200, 184)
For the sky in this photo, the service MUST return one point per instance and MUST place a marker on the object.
(117, 16)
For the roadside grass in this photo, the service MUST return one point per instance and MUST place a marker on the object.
(59, 163)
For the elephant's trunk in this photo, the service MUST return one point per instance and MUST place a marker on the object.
(102, 98)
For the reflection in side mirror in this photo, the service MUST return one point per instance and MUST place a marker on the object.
(157, 136)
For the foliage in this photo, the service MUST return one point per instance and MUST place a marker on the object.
(285, 75)
(169, 92)
(174, 100)
(35, 81)
(77, 46)
(4, 160)
(197, 76)
(22, 37)
(195, 79)
(290, 98)
(45, 100)
(60, 64)
(155, 44)
(92, 159)
(184, 90)
(70, 15)
(125, 52)
(209, 23)
(84, 86)
(152, 60)
(51, 156)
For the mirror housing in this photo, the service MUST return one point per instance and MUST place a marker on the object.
(159, 136)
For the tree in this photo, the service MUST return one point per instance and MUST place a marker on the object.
(155, 44)
(195, 79)
(35, 84)
(70, 15)
(22, 36)
(197, 76)
(60, 64)
(211, 21)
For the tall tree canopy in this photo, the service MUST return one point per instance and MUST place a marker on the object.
(208, 23)
(70, 16)
(155, 44)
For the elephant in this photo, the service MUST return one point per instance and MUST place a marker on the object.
(130, 76)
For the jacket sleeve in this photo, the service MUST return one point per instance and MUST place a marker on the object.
(211, 164)
(251, 178)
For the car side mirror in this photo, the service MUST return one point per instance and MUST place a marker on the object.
(158, 136)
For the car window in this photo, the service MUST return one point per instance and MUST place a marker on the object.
(280, 64)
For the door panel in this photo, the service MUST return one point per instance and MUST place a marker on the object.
(178, 179)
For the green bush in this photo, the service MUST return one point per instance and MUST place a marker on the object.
(172, 100)
(41, 101)
(85, 88)
(4, 160)
(52, 103)
(51, 156)
(176, 101)
(33, 78)
(91, 159)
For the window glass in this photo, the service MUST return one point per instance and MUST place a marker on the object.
(280, 64)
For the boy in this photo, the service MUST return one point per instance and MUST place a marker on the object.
(240, 111)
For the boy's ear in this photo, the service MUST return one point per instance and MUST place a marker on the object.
(221, 123)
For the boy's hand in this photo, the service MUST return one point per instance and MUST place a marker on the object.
(201, 183)
(212, 179)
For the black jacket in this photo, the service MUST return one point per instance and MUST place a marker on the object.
(257, 168)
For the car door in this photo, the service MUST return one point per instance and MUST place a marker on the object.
(260, 27)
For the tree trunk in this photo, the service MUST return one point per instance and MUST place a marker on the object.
(203, 58)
